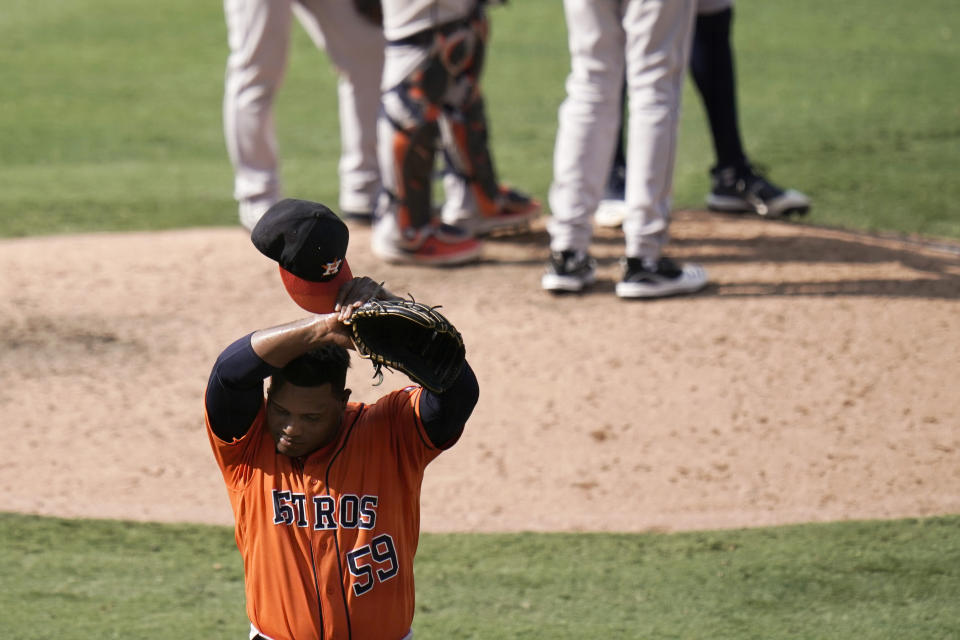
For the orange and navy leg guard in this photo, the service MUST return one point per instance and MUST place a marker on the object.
(411, 110)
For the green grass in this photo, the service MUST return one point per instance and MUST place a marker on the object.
(852, 103)
(110, 117)
(897, 579)
(110, 114)
(103, 579)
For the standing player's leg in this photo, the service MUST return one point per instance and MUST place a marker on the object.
(711, 67)
(258, 33)
(475, 199)
(414, 81)
(588, 122)
(657, 48)
(355, 47)
(613, 208)
(736, 184)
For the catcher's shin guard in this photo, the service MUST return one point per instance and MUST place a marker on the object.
(475, 198)
(408, 133)
(467, 149)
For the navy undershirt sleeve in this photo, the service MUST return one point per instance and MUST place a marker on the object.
(235, 389)
(235, 395)
(444, 415)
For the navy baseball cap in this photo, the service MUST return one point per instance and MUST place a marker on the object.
(309, 243)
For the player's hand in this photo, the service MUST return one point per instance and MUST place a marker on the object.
(355, 293)
(332, 329)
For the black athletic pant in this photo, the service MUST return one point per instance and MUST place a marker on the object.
(711, 66)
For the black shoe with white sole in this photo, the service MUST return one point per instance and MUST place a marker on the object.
(569, 271)
(660, 278)
(745, 189)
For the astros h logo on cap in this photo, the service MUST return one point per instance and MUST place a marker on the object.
(309, 243)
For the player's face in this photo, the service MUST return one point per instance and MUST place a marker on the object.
(303, 419)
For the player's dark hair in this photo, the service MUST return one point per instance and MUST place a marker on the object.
(325, 364)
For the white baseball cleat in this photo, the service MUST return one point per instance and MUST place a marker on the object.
(610, 213)
(250, 211)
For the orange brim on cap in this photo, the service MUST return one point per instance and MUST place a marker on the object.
(316, 297)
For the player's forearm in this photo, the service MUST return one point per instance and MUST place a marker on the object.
(279, 345)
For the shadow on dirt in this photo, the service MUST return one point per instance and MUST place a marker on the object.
(935, 265)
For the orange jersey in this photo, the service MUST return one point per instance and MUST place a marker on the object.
(328, 540)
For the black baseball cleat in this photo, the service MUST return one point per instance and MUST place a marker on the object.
(745, 189)
(660, 278)
(569, 271)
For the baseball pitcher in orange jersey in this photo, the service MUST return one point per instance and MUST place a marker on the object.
(325, 492)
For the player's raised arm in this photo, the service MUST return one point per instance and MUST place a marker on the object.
(235, 388)
(279, 345)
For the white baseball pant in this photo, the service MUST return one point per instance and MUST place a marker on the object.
(650, 39)
(258, 33)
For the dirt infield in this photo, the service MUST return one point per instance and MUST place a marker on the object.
(816, 379)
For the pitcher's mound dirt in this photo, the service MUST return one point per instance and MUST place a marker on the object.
(815, 379)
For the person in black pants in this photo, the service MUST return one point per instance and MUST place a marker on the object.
(736, 185)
